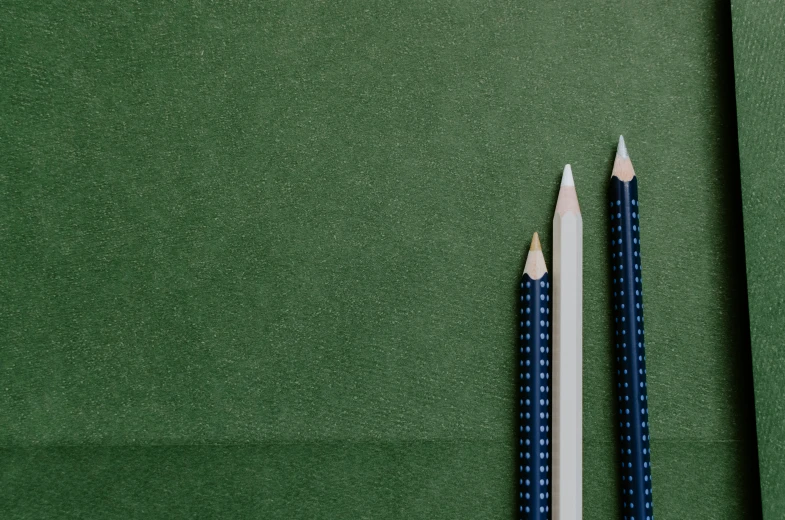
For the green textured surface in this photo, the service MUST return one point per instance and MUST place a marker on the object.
(260, 261)
(759, 51)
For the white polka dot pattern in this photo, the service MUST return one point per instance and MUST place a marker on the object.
(630, 351)
(534, 405)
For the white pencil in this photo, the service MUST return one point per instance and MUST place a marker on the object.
(567, 486)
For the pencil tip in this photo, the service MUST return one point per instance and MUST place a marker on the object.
(535, 261)
(535, 243)
(566, 178)
(622, 166)
(621, 150)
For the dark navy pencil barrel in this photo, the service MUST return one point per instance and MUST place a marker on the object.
(534, 405)
(630, 351)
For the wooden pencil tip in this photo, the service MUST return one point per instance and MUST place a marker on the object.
(622, 166)
(566, 178)
(536, 246)
(621, 150)
(535, 261)
(568, 200)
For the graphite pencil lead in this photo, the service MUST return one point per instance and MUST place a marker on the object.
(535, 261)
(566, 178)
(621, 150)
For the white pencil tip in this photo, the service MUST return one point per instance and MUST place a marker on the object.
(621, 150)
(566, 178)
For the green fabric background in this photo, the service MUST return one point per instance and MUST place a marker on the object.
(759, 50)
(260, 260)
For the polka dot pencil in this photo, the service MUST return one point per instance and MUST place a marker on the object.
(534, 417)
(629, 345)
(567, 353)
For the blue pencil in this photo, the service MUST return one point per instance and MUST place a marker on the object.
(534, 409)
(636, 491)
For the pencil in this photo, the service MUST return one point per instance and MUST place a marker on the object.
(567, 353)
(534, 388)
(630, 350)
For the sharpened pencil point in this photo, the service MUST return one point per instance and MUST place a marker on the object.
(535, 261)
(622, 166)
(621, 150)
(566, 178)
(535, 243)
(568, 200)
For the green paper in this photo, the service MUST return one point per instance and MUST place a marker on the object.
(260, 260)
(759, 50)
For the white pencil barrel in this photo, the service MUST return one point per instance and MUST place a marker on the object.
(567, 366)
